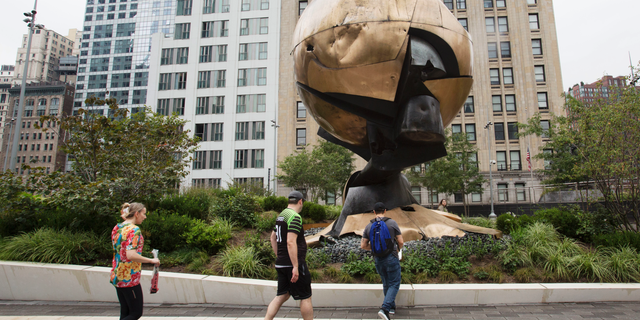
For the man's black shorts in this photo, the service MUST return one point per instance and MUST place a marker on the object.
(299, 290)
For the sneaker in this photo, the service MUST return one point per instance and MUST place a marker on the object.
(392, 311)
(383, 314)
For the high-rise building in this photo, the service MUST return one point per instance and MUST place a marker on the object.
(47, 47)
(6, 77)
(116, 48)
(516, 74)
(36, 147)
(219, 70)
(591, 92)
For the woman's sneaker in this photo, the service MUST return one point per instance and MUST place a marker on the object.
(392, 311)
(384, 314)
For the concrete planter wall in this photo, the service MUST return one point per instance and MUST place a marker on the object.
(55, 282)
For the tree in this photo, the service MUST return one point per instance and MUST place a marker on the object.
(146, 153)
(325, 169)
(457, 172)
(598, 142)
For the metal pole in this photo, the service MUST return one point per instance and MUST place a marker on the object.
(6, 151)
(16, 133)
(492, 215)
(275, 156)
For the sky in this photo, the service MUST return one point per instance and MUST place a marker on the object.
(595, 37)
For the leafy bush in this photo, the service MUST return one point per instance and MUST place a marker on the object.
(618, 240)
(623, 264)
(416, 262)
(332, 212)
(313, 211)
(194, 203)
(317, 258)
(266, 221)
(241, 261)
(447, 276)
(359, 267)
(459, 266)
(181, 256)
(165, 230)
(480, 222)
(262, 248)
(273, 203)
(55, 246)
(525, 275)
(564, 219)
(209, 237)
(235, 206)
(506, 223)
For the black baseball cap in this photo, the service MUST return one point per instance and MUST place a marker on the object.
(296, 195)
(379, 207)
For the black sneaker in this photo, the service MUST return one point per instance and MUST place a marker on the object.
(384, 314)
(392, 311)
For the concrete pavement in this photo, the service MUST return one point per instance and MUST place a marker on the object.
(48, 310)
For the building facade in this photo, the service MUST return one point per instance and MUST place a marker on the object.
(591, 92)
(36, 147)
(219, 71)
(516, 74)
(115, 49)
(6, 78)
(47, 47)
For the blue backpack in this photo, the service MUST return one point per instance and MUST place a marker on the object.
(381, 241)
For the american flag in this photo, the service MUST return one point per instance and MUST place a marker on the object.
(528, 159)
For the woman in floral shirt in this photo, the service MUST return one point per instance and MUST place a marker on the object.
(127, 242)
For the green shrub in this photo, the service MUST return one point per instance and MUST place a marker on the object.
(372, 277)
(193, 202)
(344, 277)
(181, 256)
(243, 262)
(236, 207)
(317, 258)
(332, 212)
(623, 264)
(55, 246)
(564, 219)
(525, 275)
(359, 267)
(618, 240)
(331, 272)
(209, 237)
(165, 230)
(480, 274)
(266, 221)
(416, 262)
(506, 223)
(480, 222)
(458, 265)
(313, 211)
(273, 203)
(447, 276)
(262, 248)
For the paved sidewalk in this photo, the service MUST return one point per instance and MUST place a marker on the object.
(48, 310)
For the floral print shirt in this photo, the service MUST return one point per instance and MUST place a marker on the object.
(125, 273)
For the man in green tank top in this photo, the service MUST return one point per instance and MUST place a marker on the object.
(290, 247)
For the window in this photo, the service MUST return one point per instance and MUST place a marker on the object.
(510, 102)
(476, 197)
(242, 130)
(301, 6)
(202, 105)
(488, 3)
(246, 5)
(224, 28)
(499, 130)
(264, 4)
(496, 101)
(507, 75)
(512, 127)
(257, 132)
(536, 46)
(206, 54)
(264, 25)
(244, 27)
(461, 4)
(301, 110)
(494, 75)
(417, 194)
(539, 71)
(456, 128)
(163, 107)
(501, 160)
(165, 81)
(242, 53)
(241, 105)
(533, 21)
(204, 79)
(542, 100)
(457, 197)
(449, 5)
(490, 24)
(257, 158)
(199, 158)
(470, 129)
(166, 57)
(262, 51)
(178, 106)
(503, 192)
(520, 192)
(262, 76)
(217, 133)
(505, 49)
(530, 2)
(493, 50)
(242, 77)
(181, 81)
(503, 25)
(514, 157)
(501, 3)
(182, 31)
(201, 131)
(241, 159)
(544, 124)
(222, 53)
(207, 29)
(301, 137)
(547, 161)
(208, 6)
(218, 107)
(463, 23)
(468, 105)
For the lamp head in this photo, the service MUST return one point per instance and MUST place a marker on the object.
(28, 14)
(27, 20)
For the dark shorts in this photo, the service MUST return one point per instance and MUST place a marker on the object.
(299, 290)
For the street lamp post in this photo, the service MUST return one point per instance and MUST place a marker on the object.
(6, 153)
(31, 22)
(275, 156)
(492, 215)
